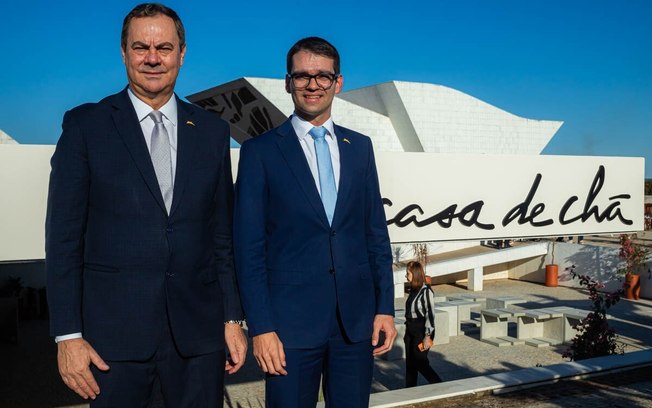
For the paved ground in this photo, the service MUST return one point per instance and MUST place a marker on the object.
(625, 389)
(28, 376)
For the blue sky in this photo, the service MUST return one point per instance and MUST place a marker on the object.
(588, 62)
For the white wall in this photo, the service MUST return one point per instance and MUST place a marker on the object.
(434, 182)
(24, 173)
(600, 262)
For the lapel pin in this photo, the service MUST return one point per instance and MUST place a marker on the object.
(190, 123)
(345, 140)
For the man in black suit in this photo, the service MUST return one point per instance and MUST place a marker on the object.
(139, 258)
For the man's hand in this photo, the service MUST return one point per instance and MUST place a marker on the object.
(427, 342)
(269, 353)
(75, 357)
(384, 323)
(236, 342)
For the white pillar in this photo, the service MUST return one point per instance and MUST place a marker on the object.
(475, 277)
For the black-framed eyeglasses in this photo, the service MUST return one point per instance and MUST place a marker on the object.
(324, 80)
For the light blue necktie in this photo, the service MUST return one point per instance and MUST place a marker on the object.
(326, 176)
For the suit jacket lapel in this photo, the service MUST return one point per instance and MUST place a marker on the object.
(186, 144)
(288, 143)
(347, 158)
(126, 122)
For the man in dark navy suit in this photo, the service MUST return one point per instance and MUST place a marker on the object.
(312, 250)
(139, 256)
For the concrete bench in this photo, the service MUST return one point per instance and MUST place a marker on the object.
(442, 331)
(494, 326)
(451, 310)
(501, 302)
(572, 317)
(464, 312)
(541, 327)
(471, 297)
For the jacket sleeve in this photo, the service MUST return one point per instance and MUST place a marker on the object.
(224, 237)
(378, 245)
(65, 228)
(249, 237)
(429, 313)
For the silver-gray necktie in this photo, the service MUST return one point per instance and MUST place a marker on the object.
(161, 157)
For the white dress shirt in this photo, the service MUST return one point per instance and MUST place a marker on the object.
(169, 111)
(301, 128)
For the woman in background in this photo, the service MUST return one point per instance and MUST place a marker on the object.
(420, 327)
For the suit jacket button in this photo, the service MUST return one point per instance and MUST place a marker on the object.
(333, 233)
(169, 229)
(331, 271)
(170, 275)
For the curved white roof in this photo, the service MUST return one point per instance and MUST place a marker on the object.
(398, 116)
(6, 139)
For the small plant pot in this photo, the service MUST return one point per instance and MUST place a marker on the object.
(552, 278)
(632, 286)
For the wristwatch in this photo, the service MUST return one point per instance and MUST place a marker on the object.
(238, 322)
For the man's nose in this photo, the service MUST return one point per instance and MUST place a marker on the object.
(312, 84)
(152, 57)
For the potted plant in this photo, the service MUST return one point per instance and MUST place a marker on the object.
(634, 257)
(552, 270)
(595, 337)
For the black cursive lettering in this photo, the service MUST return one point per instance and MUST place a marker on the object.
(592, 210)
(467, 216)
(521, 210)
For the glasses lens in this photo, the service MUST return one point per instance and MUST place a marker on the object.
(324, 81)
(300, 80)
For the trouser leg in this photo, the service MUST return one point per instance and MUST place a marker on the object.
(126, 384)
(187, 382)
(423, 366)
(411, 349)
(348, 370)
(300, 387)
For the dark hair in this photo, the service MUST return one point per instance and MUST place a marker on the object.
(418, 275)
(317, 46)
(152, 10)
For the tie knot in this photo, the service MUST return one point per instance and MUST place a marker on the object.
(156, 116)
(318, 132)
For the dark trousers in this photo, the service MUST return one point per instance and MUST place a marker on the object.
(416, 361)
(346, 370)
(185, 381)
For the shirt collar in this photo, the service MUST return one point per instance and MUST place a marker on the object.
(302, 127)
(169, 110)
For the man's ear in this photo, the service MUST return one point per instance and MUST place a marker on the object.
(183, 54)
(339, 83)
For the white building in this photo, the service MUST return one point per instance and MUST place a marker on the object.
(6, 139)
(398, 116)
